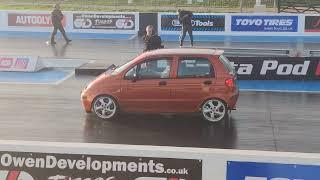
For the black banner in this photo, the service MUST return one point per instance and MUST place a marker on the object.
(45, 166)
(170, 22)
(104, 21)
(276, 68)
(312, 24)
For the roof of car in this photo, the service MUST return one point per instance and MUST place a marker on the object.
(186, 51)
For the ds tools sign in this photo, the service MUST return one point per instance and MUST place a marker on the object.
(200, 22)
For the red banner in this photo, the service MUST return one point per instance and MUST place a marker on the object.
(31, 20)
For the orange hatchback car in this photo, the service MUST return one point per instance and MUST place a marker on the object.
(166, 81)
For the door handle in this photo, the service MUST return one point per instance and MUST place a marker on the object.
(207, 82)
(162, 83)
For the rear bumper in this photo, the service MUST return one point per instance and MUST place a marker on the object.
(233, 101)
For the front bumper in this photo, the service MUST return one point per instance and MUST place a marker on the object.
(86, 102)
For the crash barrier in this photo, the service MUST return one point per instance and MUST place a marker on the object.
(75, 22)
(20, 63)
(244, 24)
(248, 68)
(79, 161)
(276, 68)
(35, 63)
(271, 25)
(314, 53)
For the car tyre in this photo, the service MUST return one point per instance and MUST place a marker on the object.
(214, 111)
(105, 107)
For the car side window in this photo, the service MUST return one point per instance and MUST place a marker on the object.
(195, 68)
(154, 69)
(130, 73)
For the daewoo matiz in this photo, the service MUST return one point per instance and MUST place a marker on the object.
(166, 81)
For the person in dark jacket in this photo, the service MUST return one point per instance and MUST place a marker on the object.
(56, 18)
(185, 19)
(151, 40)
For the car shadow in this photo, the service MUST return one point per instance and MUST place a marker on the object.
(163, 130)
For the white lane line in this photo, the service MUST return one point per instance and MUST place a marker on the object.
(290, 91)
(65, 78)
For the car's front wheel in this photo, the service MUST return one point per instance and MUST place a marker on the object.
(214, 110)
(105, 107)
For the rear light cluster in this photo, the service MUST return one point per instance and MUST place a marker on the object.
(230, 83)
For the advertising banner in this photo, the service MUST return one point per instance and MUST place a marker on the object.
(276, 68)
(48, 166)
(312, 24)
(104, 21)
(39, 20)
(264, 23)
(271, 171)
(18, 63)
(206, 22)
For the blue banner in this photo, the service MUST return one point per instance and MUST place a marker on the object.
(271, 171)
(265, 23)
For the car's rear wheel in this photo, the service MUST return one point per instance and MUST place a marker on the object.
(105, 107)
(214, 110)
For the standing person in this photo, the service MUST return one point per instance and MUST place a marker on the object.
(56, 18)
(185, 18)
(151, 40)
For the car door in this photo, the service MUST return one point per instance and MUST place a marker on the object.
(194, 80)
(148, 91)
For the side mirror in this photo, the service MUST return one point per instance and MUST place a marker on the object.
(134, 77)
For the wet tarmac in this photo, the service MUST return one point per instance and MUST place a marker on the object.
(263, 121)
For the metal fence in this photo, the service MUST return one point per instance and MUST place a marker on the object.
(151, 5)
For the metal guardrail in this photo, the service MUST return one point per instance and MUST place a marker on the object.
(268, 52)
(254, 51)
(143, 5)
(314, 53)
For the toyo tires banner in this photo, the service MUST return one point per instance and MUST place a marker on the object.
(270, 23)
(200, 22)
(49, 166)
(276, 68)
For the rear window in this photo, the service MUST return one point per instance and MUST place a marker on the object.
(225, 61)
(195, 68)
